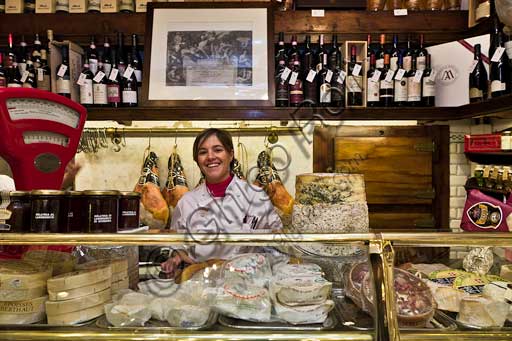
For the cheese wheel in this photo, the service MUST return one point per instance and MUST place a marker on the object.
(76, 304)
(76, 316)
(79, 292)
(79, 279)
(23, 312)
(60, 262)
(119, 276)
(18, 274)
(22, 294)
(123, 284)
(329, 188)
(117, 264)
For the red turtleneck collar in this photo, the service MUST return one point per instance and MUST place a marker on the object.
(219, 190)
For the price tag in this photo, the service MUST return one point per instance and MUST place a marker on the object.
(473, 66)
(128, 72)
(389, 76)
(497, 54)
(400, 12)
(328, 76)
(432, 76)
(81, 79)
(318, 13)
(311, 76)
(62, 70)
(400, 74)
(40, 74)
(24, 76)
(113, 74)
(357, 70)
(341, 77)
(99, 77)
(286, 73)
(376, 76)
(417, 76)
(293, 78)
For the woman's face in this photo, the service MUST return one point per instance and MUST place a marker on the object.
(214, 159)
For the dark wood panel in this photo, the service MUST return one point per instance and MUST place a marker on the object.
(400, 221)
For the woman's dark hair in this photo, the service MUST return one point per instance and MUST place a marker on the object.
(224, 137)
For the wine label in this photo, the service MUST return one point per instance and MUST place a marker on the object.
(99, 77)
(401, 90)
(372, 92)
(13, 85)
(357, 70)
(78, 6)
(62, 5)
(62, 70)
(138, 75)
(296, 92)
(376, 76)
(325, 93)
(311, 76)
(389, 77)
(485, 215)
(126, 5)
(86, 92)
(421, 62)
(433, 75)
(400, 74)
(328, 76)
(473, 65)
(63, 86)
(407, 63)
(286, 73)
(354, 83)
(40, 74)
(93, 65)
(341, 77)
(429, 87)
(379, 64)
(384, 84)
(413, 91)
(22, 67)
(496, 85)
(129, 96)
(508, 48)
(293, 78)
(417, 76)
(81, 79)
(107, 68)
(94, 5)
(44, 84)
(113, 93)
(128, 72)
(100, 93)
(24, 76)
(496, 57)
(393, 63)
(113, 74)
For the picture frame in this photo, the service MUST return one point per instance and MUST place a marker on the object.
(200, 54)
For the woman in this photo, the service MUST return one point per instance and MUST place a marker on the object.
(223, 203)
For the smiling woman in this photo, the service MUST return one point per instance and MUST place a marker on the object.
(223, 203)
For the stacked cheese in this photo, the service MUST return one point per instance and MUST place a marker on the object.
(78, 296)
(22, 292)
(300, 294)
(120, 278)
(60, 262)
(330, 203)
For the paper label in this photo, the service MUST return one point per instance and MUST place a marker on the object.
(328, 76)
(62, 70)
(99, 77)
(400, 74)
(24, 76)
(318, 13)
(341, 77)
(498, 86)
(376, 76)
(113, 74)
(357, 70)
(432, 76)
(81, 79)
(129, 96)
(40, 75)
(128, 72)
(400, 12)
(417, 76)
(286, 73)
(497, 54)
(394, 63)
(379, 64)
(473, 65)
(311, 76)
(407, 63)
(401, 90)
(372, 93)
(389, 77)
(293, 78)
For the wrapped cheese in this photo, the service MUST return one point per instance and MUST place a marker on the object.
(482, 312)
(446, 297)
(307, 314)
(188, 316)
(244, 301)
(252, 267)
(296, 291)
(498, 291)
(479, 260)
(296, 270)
(132, 309)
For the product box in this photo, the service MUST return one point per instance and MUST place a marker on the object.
(14, 6)
(482, 143)
(360, 81)
(75, 65)
(452, 62)
(78, 6)
(45, 6)
(141, 5)
(110, 6)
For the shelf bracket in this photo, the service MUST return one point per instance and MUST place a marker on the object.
(382, 261)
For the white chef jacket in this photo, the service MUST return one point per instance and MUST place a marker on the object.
(245, 208)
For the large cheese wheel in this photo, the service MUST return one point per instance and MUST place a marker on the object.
(23, 294)
(117, 264)
(79, 279)
(23, 312)
(76, 316)
(79, 292)
(77, 304)
(60, 262)
(329, 188)
(18, 274)
(123, 284)
(119, 276)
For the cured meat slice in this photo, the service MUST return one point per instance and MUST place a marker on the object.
(154, 211)
(176, 184)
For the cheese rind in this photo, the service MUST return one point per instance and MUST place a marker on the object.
(304, 314)
(22, 294)
(117, 265)
(300, 290)
(76, 316)
(23, 312)
(79, 279)
(60, 262)
(79, 292)
(329, 188)
(119, 276)
(76, 304)
(18, 274)
(123, 284)
(482, 312)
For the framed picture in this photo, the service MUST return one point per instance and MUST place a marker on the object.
(208, 54)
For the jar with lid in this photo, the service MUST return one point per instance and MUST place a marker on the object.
(506, 141)
(375, 5)
(76, 212)
(47, 210)
(129, 203)
(102, 208)
(413, 5)
(479, 175)
(434, 5)
(17, 206)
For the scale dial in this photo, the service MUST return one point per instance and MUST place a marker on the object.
(30, 137)
(40, 109)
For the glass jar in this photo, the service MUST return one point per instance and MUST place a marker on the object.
(375, 5)
(413, 5)
(102, 208)
(19, 207)
(434, 5)
(129, 203)
(76, 212)
(452, 5)
(395, 4)
(47, 208)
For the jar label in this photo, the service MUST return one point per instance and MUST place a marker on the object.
(5, 214)
(128, 213)
(4, 227)
(102, 218)
(44, 216)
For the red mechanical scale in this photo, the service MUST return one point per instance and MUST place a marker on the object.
(40, 132)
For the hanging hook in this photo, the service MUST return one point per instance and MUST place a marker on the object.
(124, 138)
(176, 139)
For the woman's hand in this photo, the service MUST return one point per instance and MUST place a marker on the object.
(175, 264)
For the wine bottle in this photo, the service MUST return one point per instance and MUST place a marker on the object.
(325, 77)
(293, 52)
(11, 55)
(30, 6)
(381, 52)
(136, 61)
(99, 87)
(401, 84)
(386, 83)
(428, 95)
(499, 73)
(354, 80)
(310, 76)
(44, 73)
(63, 80)
(369, 50)
(22, 57)
(321, 52)
(3, 75)
(414, 85)
(121, 64)
(126, 6)
(85, 82)
(395, 52)
(114, 84)
(129, 89)
(372, 88)
(281, 83)
(408, 55)
(296, 84)
(478, 78)
(28, 77)
(93, 56)
(421, 55)
(14, 77)
(338, 77)
(36, 52)
(107, 62)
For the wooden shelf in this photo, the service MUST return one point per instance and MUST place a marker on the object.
(495, 158)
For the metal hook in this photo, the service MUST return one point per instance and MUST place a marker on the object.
(104, 140)
(176, 139)
(124, 139)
